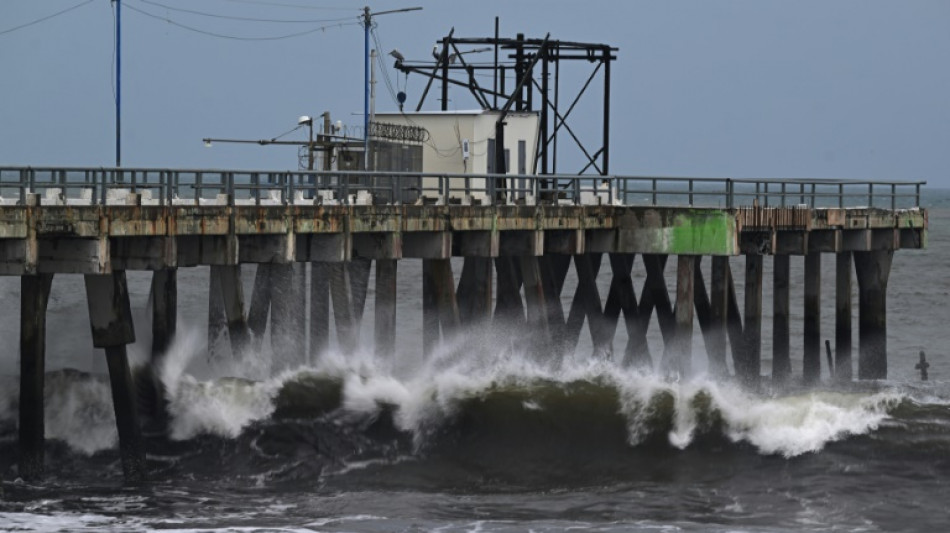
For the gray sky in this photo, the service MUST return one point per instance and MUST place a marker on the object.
(824, 89)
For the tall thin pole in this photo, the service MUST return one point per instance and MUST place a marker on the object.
(367, 21)
(118, 83)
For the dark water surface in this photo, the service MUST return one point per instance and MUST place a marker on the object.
(481, 438)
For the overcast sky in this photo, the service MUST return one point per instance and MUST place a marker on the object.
(823, 89)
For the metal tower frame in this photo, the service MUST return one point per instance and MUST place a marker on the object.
(532, 90)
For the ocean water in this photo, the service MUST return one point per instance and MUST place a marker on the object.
(481, 437)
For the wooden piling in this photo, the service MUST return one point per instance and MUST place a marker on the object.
(683, 345)
(811, 354)
(718, 312)
(873, 269)
(34, 297)
(385, 323)
(843, 342)
(110, 317)
(751, 367)
(781, 359)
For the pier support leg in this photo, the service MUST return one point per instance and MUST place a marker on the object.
(227, 279)
(164, 325)
(260, 304)
(534, 296)
(475, 290)
(319, 309)
(439, 306)
(683, 340)
(110, 317)
(587, 303)
(621, 297)
(733, 321)
(873, 269)
(655, 296)
(718, 311)
(34, 297)
(287, 335)
(781, 362)
(751, 368)
(217, 319)
(509, 309)
(385, 323)
(430, 309)
(843, 266)
(811, 354)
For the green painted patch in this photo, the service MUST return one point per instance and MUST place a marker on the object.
(702, 232)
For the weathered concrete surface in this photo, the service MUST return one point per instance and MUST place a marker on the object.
(97, 239)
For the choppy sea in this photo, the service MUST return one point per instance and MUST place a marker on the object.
(481, 437)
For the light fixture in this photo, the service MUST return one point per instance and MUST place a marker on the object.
(207, 143)
(304, 120)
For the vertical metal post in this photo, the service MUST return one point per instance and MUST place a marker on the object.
(606, 149)
(118, 83)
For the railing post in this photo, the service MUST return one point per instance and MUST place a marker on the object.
(893, 197)
(813, 196)
(841, 195)
(654, 191)
(917, 198)
(870, 195)
(691, 193)
(730, 201)
(783, 194)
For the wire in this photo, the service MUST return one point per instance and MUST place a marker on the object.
(248, 19)
(296, 6)
(43, 19)
(237, 37)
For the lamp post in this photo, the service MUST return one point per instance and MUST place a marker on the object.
(306, 120)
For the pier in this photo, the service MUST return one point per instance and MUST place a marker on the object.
(316, 236)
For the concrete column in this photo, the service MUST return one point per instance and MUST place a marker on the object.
(385, 323)
(359, 270)
(319, 309)
(227, 279)
(286, 335)
(509, 309)
(217, 318)
(445, 296)
(475, 290)
(110, 317)
(539, 329)
(873, 269)
(751, 367)
(781, 362)
(843, 343)
(430, 309)
(734, 322)
(811, 354)
(683, 345)
(620, 298)
(260, 304)
(718, 311)
(34, 297)
(164, 324)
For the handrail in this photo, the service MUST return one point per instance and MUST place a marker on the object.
(97, 185)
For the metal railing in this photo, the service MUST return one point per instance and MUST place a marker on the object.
(165, 186)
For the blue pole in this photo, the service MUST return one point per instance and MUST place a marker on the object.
(366, 23)
(118, 83)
